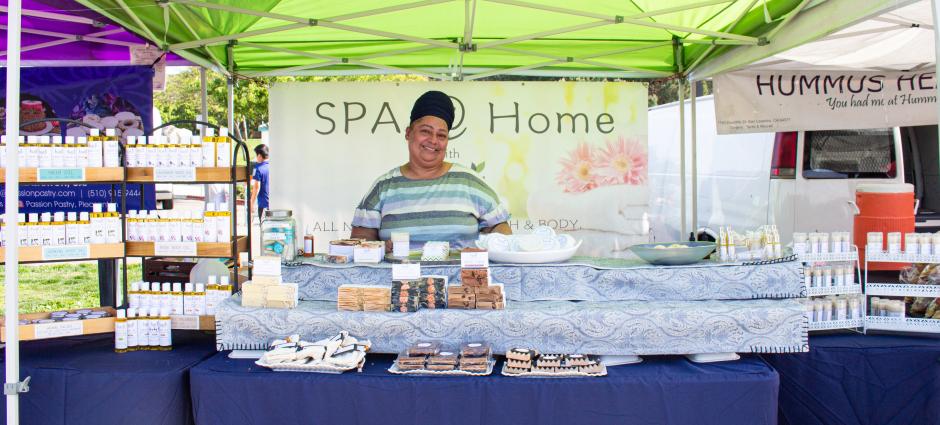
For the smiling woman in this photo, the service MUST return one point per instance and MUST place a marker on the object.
(428, 198)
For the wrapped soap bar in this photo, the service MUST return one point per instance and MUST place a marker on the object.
(405, 296)
(263, 280)
(435, 251)
(363, 298)
(281, 296)
(475, 349)
(344, 247)
(444, 357)
(253, 295)
(369, 252)
(425, 348)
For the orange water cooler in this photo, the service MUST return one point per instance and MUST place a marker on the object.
(883, 208)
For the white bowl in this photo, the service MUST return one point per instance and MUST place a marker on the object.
(536, 257)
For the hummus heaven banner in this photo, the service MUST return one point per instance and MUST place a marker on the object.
(568, 155)
(769, 101)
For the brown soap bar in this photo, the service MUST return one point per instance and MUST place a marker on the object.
(489, 298)
(475, 277)
(475, 349)
(444, 357)
(489, 290)
(425, 348)
(461, 290)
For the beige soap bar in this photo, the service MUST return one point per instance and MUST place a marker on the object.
(281, 296)
(253, 295)
(265, 280)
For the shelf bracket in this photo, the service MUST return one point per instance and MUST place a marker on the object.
(17, 387)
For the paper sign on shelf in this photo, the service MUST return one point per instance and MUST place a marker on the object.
(182, 321)
(50, 175)
(174, 174)
(57, 329)
(410, 271)
(174, 249)
(65, 252)
(474, 260)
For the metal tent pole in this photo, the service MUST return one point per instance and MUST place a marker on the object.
(694, 85)
(204, 95)
(12, 386)
(682, 217)
(935, 7)
(230, 85)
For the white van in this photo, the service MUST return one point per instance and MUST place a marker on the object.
(801, 181)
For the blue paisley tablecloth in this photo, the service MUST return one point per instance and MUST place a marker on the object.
(615, 327)
(582, 280)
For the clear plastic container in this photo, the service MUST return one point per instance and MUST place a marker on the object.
(279, 234)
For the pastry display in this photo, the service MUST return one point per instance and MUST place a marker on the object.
(525, 362)
(363, 298)
(338, 353)
(921, 274)
(428, 358)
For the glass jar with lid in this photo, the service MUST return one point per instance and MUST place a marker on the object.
(278, 234)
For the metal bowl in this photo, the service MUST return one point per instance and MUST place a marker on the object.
(695, 252)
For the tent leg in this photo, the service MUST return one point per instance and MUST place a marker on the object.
(204, 95)
(12, 386)
(694, 85)
(935, 7)
(230, 85)
(682, 218)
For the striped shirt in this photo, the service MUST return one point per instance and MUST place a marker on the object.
(453, 207)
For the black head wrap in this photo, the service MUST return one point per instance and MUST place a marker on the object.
(435, 104)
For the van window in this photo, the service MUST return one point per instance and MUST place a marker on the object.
(849, 154)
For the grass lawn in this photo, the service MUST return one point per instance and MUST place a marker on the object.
(51, 287)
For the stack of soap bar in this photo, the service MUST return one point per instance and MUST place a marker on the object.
(266, 288)
(363, 298)
(412, 295)
(475, 291)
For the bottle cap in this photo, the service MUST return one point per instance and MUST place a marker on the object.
(131, 140)
(46, 217)
(210, 207)
(112, 207)
(96, 208)
(131, 312)
(200, 287)
(110, 132)
(223, 206)
(177, 287)
(164, 312)
(45, 140)
(224, 280)
(212, 280)
(59, 216)
(32, 139)
(223, 132)
(34, 217)
(94, 132)
(73, 216)
(195, 215)
(69, 140)
(155, 286)
(83, 216)
(195, 140)
(154, 311)
(132, 214)
(210, 132)
(57, 140)
(81, 140)
(166, 286)
(135, 286)
(21, 217)
(189, 287)
(121, 314)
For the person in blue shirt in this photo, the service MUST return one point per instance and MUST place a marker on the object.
(259, 181)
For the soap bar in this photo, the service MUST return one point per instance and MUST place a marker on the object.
(266, 265)
(281, 296)
(475, 277)
(253, 295)
(369, 252)
(264, 280)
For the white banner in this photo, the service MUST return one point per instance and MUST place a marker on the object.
(771, 101)
(564, 154)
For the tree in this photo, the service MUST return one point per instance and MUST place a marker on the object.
(182, 98)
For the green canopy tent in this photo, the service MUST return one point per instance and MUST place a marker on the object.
(442, 39)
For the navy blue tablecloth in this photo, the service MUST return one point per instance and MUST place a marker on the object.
(657, 391)
(861, 379)
(81, 380)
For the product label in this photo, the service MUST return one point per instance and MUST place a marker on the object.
(174, 249)
(174, 174)
(474, 260)
(188, 322)
(275, 236)
(55, 330)
(406, 271)
(60, 174)
(65, 252)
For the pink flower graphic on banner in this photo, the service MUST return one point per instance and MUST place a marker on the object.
(621, 162)
(578, 171)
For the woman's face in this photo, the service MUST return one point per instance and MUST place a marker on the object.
(427, 141)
